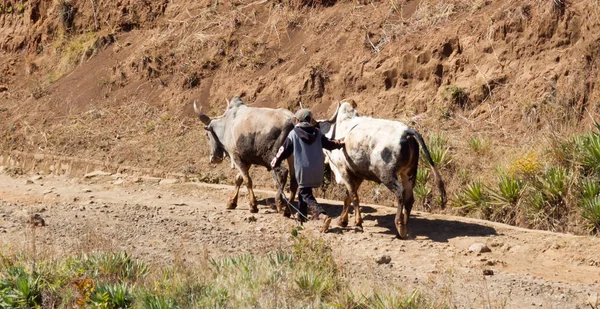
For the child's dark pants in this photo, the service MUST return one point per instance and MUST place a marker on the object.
(306, 200)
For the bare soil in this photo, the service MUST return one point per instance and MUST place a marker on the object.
(163, 221)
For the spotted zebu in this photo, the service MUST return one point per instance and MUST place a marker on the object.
(250, 135)
(376, 150)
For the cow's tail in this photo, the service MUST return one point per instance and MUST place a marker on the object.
(438, 178)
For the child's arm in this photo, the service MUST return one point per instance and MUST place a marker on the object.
(331, 144)
(283, 153)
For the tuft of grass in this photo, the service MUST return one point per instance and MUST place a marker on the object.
(506, 199)
(457, 96)
(478, 145)
(590, 211)
(422, 190)
(474, 198)
(112, 296)
(439, 150)
(305, 276)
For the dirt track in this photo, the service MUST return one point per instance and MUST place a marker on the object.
(163, 222)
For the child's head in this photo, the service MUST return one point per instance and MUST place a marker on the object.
(303, 115)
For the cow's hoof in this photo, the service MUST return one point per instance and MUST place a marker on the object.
(253, 210)
(231, 205)
(342, 223)
(326, 224)
(402, 232)
(279, 206)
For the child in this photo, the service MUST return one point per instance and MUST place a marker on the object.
(306, 142)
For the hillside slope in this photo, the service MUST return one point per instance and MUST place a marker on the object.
(115, 81)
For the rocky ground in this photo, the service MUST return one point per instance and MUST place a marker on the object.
(466, 262)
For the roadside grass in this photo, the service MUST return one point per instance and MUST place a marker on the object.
(547, 190)
(303, 276)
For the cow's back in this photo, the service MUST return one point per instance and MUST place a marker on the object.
(257, 133)
(372, 146)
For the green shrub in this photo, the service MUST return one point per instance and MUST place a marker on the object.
(112, 296)
(591, 154)
(589, 189)
(477, 145)
(20, 290)
(422, 191)
(439, 150)
(158, 302)
(590, 211)
(473, 199)
(505, 200)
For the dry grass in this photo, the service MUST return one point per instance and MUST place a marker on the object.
(303, 276)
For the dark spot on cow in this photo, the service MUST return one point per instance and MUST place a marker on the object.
(386, 155)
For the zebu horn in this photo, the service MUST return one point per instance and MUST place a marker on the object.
(333, 118)
(202, 116)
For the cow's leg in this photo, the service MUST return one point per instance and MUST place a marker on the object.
(244, 168)
(233, 200)
(352, 196)
(407, 198)
(281, 173)
(343, 220)
(358, 220)
(293, 180)
(401, 218)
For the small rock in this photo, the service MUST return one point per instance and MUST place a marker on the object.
(488, 272)
(384, 259)
(479, 248)
(593, 300)
(259, 229)
(118, 182)
(29, 182)
(86, 190)
(36, 177)
(96, 174)
(168, 181)
(252, 219)
(37, 220)
(148, 179)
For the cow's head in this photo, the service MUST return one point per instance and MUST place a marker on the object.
(343, 111)
(213, 131)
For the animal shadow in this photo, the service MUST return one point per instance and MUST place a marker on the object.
(436, 229)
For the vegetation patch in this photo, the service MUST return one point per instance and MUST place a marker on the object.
(305, 276)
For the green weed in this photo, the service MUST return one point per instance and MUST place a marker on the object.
(473, 198)
(590, 211)
(439, 150)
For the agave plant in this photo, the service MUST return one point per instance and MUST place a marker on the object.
(22, 291)
(439, 150)
(589, 189)
(590, 211)
(506, 198)
(473, 198)
(112, 296)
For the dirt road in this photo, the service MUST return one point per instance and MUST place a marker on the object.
(160, 220)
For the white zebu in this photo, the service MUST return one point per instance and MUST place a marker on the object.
(376, 150)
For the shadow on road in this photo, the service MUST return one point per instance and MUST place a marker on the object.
(439, 230)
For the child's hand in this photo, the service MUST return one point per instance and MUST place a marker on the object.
(273, 162)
